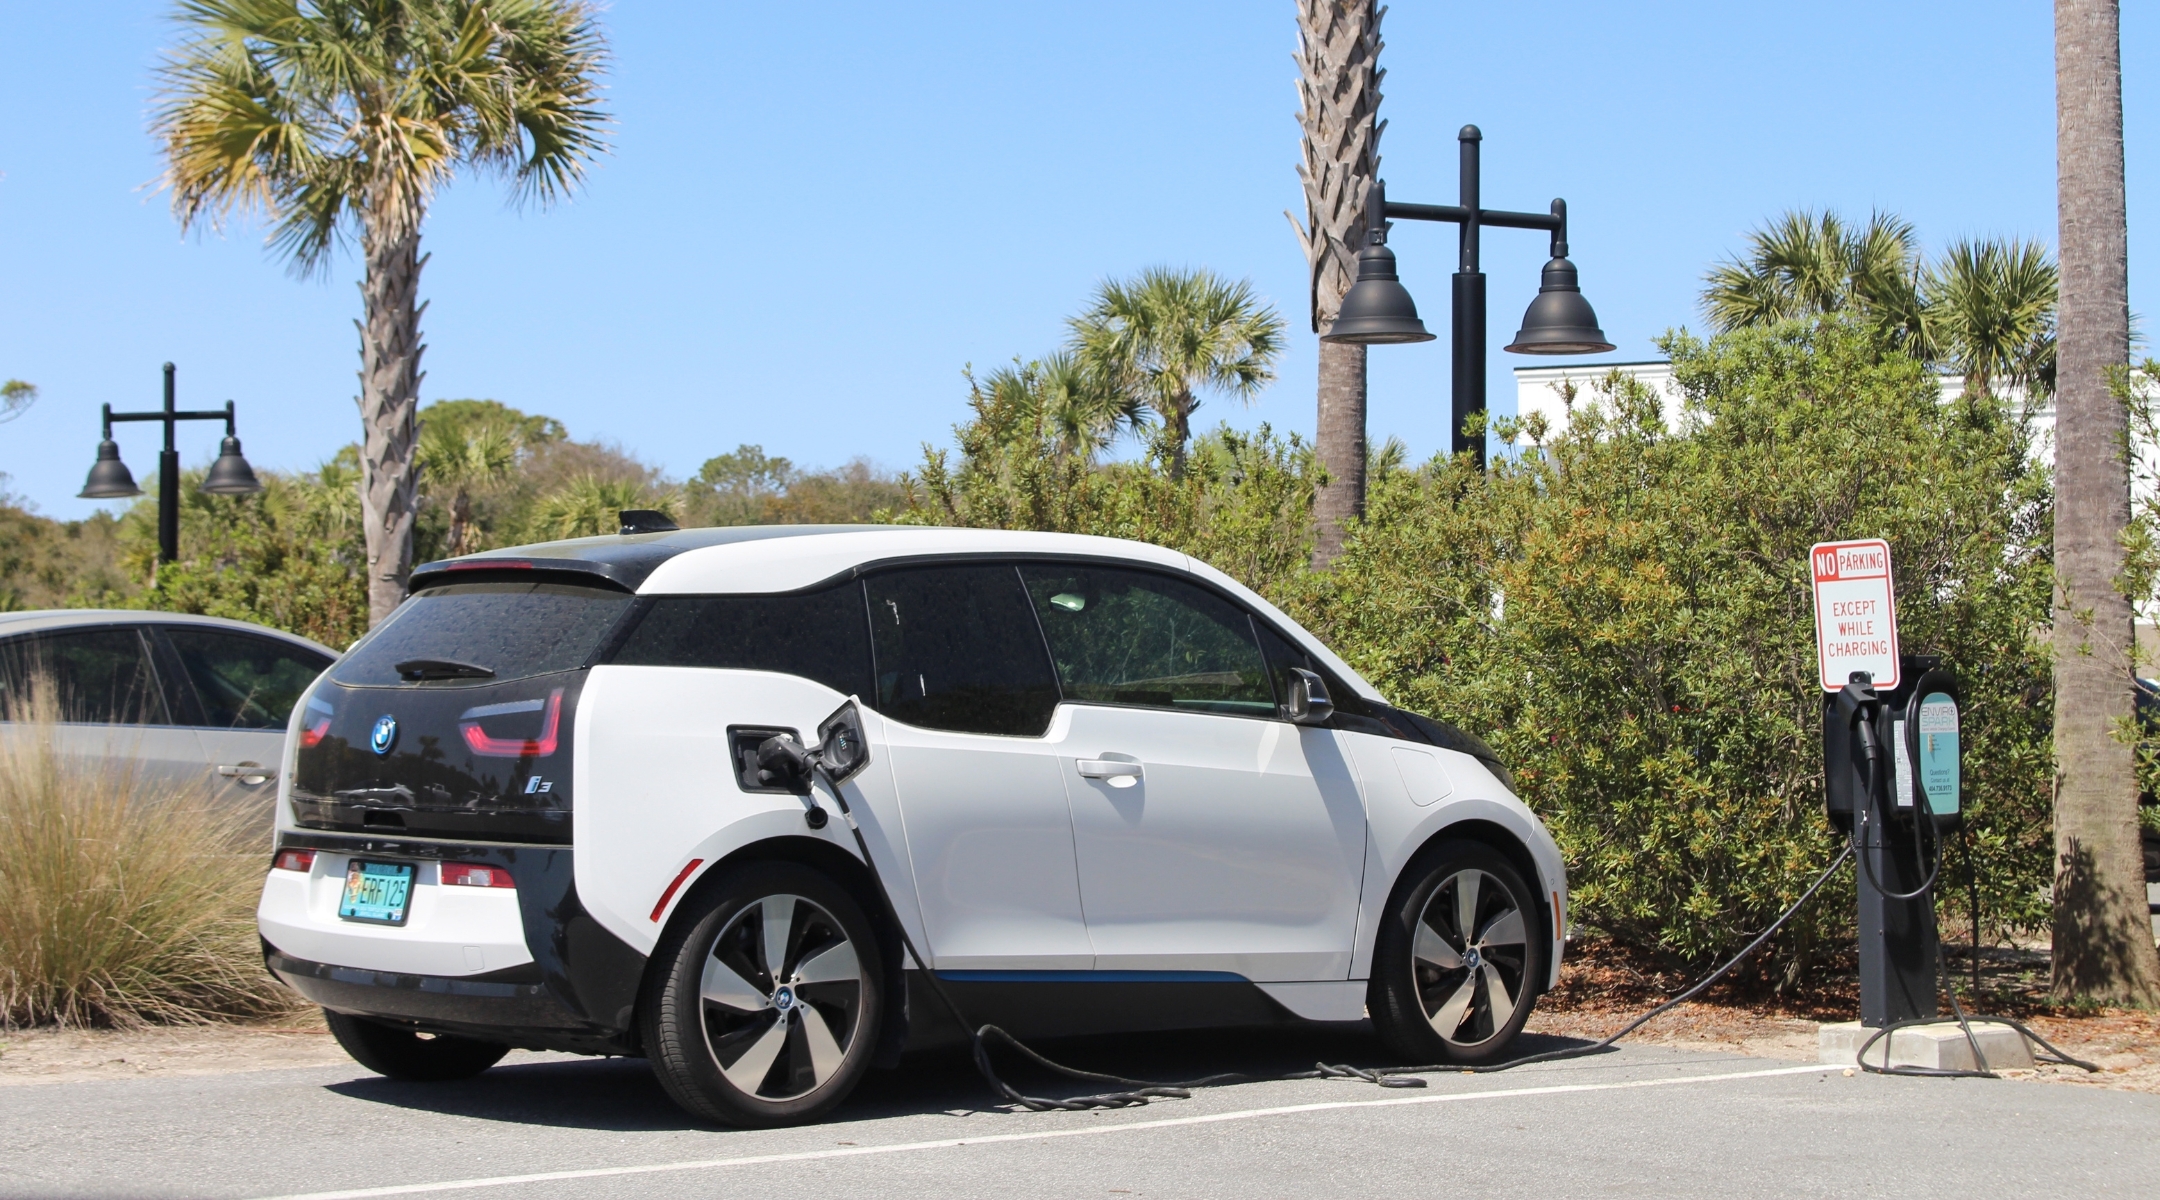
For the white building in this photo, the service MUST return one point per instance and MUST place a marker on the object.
(1539, 389)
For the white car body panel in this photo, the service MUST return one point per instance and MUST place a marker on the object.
(1239, 847)
(655, 786)
(1401, 827)
(990, 837)
(448, 931)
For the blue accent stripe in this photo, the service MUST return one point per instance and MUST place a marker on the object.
(1092, 977)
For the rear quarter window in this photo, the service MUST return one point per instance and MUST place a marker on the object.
(514, 629)
(821, 636)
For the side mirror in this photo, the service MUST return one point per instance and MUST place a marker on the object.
(842, 748)
(1307, 703)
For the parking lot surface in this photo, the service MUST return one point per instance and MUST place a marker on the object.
(1640, 1122)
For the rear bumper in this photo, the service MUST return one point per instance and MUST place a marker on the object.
(558, 980)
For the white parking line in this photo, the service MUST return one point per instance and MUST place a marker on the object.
(454, 1185)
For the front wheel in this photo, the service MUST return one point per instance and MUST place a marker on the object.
(769, 1002)
(1459, 958)
(405, 1054)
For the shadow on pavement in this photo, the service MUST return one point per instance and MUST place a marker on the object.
(621, 1095)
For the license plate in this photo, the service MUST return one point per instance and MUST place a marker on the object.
(376, 892)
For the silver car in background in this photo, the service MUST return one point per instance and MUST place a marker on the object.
(167, 695)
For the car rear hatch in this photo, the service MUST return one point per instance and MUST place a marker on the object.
(453, 718)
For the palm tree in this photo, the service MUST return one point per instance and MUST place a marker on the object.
(1806, 264)
(2103, 942)
(1064, 403)
(1339, 76)
(342, 118)
(1167, 334)
(589, 505)
(1989, 311)
(466, 460)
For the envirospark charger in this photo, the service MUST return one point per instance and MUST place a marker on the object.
(1893, 775)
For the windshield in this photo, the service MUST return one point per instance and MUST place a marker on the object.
(485, 632)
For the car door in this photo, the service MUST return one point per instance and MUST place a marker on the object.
(968, 697)
(1211, 835)
(99, 687)
(243, 687)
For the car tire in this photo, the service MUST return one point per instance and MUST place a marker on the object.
(409, 1055)
(1460, 957)
(768, 999)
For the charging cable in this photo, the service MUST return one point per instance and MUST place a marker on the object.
(1140, 1091)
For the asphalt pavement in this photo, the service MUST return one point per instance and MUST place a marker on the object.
(1644, 1121)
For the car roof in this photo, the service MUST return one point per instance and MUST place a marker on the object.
(47, 619)
(784, 558)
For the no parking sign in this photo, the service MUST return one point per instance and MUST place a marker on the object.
(1855, 613)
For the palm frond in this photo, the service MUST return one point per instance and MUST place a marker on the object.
(329, 115)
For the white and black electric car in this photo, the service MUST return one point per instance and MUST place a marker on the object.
(1108, 789)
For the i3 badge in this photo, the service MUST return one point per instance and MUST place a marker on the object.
(385, 736)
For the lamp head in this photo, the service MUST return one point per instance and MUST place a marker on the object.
(109, 477)
(1559, 320)
(1377, 309)
(230, 475)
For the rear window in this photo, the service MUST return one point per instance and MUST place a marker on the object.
(515, 630)
(820, 636)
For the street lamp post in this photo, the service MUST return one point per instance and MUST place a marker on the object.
(1377, 310)
(110, 479)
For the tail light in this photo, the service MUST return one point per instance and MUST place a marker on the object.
(475, 875)
(488, 746)
(317, 725)
(294, 860)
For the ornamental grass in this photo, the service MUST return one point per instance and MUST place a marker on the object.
(125, 899)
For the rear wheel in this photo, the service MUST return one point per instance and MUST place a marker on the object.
(409, 1055)
(1459, 959)
(768, 1009)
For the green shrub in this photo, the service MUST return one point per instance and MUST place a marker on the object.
(124, 901)
(289, 557)
(1244, 504)
(1624, 612)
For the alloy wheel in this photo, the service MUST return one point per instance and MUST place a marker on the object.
(780, 995)
(1469, 957)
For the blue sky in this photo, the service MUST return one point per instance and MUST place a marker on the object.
(813, 219)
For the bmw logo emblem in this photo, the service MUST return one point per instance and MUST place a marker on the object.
(784, 999)
(385, 736)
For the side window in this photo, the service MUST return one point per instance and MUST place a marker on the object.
(956, 648)
(1134, 637)
(95, 677)
(244, 681)
(819, 636)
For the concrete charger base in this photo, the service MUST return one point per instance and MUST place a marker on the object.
(1941, 1046)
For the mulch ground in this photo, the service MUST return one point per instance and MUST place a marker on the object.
(1604, 985)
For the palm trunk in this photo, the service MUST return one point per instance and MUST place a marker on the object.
(2103, 939)
(1339, 78)
(1180, 432)
(390, 377)
(460, 521)
(1340, 446)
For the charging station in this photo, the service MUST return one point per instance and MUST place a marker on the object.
(1914, 728)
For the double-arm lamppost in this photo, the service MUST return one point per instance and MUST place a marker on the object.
(1378, 310)
(110, 479)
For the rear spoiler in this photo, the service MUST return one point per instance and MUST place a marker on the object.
(620, 576)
